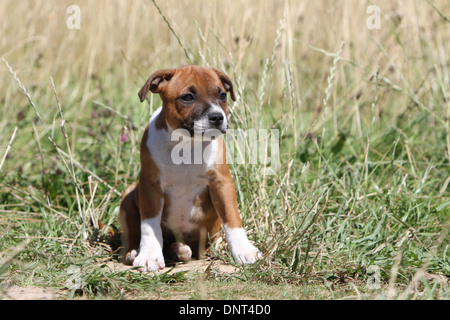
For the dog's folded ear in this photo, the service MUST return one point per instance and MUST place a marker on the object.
(154, 81)
(226, 81)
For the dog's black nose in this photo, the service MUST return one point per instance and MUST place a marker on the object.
(215, 118)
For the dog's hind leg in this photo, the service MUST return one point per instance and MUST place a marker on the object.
(130, 221)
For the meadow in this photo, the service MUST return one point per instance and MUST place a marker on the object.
(359, 207)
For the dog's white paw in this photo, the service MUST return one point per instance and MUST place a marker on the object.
(149, 261)
(130, 256)
(180, 252)
(246, 254)
(241, 249)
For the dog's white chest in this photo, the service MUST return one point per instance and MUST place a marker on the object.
(182, 182)
(181, 186)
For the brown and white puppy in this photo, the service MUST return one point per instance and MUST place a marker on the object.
(183, 196)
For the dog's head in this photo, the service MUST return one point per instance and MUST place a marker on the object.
(194, 98)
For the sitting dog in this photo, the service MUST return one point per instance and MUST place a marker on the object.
(177, 206)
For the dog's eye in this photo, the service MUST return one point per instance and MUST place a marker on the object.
(223, 97)
(187, 97)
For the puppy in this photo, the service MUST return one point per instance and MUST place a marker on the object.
(185, 192)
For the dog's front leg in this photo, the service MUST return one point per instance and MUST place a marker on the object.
(150, 256)
(223, 195)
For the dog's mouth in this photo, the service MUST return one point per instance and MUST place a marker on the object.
(201, 127)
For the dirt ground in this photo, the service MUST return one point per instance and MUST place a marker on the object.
(28, 293)
(37, 293)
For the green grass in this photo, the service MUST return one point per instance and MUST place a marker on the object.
(364, 145)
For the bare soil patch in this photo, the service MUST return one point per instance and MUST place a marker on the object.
(197, 266)
(28, 293)
(15, 292)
